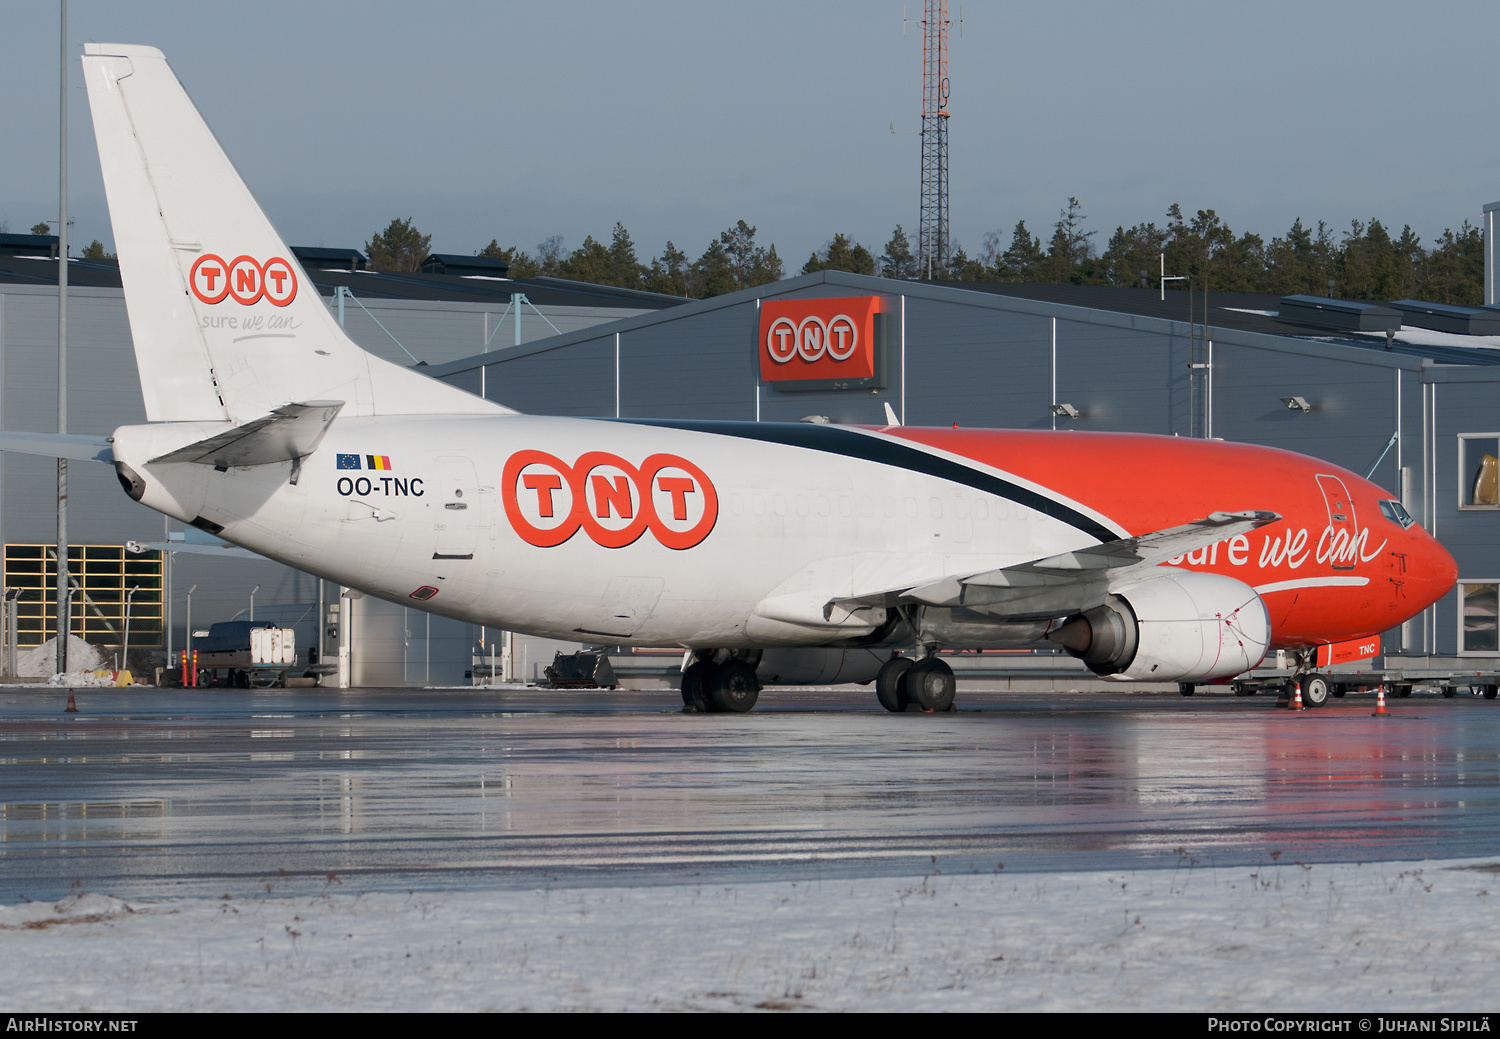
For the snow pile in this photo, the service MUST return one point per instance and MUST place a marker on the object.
(1285, 937)
(88, 679)
(41, 662)
(83, 907)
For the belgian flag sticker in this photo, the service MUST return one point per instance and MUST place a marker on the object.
(379, 461)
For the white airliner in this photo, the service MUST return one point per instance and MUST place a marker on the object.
(768, 552)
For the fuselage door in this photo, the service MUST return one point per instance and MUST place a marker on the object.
(463, 511)
(1341, 519)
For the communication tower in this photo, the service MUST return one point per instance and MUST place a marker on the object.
(933, 233)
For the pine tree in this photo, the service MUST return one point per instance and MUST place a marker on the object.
(521, 265)
(1023, 260)
(1289, 263)
(963, 267)
(1455, 268)
(897, 260)
(841, 254)
(752, 265)
(400, 247)
(590, 262)
(714, 273)
(669, 272)
(1069, 248)
(1131, 252)
(624, 269)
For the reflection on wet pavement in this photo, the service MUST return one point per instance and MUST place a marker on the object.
(158, 793)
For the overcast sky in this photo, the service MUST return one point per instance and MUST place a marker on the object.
(519, 121)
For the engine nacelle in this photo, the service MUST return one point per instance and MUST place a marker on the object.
(1187, 627)
(812, 666)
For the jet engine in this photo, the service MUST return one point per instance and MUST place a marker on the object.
(1187, 627)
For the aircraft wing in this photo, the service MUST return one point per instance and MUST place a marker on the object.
(59, 445)
(1069, 582)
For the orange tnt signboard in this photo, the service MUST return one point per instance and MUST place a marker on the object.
(1347, 652)
(804, 339)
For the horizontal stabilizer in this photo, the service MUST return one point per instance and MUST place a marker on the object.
(290, 432)
(60, 445)
(1071, 581)
(221, 549)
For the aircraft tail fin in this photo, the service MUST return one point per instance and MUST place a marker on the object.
(226, 323)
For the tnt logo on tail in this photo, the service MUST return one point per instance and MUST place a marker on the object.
(244, 279)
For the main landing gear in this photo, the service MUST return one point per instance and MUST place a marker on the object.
(720, 685)
(927, 684)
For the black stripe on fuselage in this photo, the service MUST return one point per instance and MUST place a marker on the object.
(846, 442)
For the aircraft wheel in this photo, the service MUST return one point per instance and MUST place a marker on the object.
(890, 684)
(733, 686)
(1315, 690)
(1449, 692)
(1490, 691)
(695, 695)
(1338, 691)
(1243, 689)
(1186, 688)
(930, 684)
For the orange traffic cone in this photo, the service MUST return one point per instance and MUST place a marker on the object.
(1297, 704)
(72, 707)
(1380, 711)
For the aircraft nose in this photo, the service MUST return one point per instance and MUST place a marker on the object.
(1437, 570)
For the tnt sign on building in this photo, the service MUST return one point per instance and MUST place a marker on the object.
(820, 344)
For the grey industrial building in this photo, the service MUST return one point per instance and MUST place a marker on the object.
(1403, 391)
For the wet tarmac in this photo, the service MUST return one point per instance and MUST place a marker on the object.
(154, 793)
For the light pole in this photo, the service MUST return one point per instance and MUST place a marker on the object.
(62, 341)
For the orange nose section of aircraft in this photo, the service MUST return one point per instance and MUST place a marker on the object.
(1432, 572)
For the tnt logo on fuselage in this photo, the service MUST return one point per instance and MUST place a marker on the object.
(612, 501)
(244, 279)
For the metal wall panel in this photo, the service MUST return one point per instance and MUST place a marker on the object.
(579, 380)
(1353, 405)
(1123, 379)
(692, 369)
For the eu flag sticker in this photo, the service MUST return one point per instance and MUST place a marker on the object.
(348, 461)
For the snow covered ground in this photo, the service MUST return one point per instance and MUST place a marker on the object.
(1282, 936)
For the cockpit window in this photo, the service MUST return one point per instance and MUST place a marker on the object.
(1396, 513)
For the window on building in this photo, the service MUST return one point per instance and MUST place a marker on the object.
(1479, 618)
(1479, 471)
(102, 576)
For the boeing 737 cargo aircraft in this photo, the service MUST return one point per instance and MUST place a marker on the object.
(766, 551)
